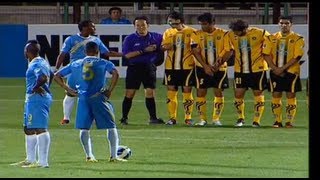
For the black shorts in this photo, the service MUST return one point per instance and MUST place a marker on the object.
(204, 81)
(179, 77)
(141, 73)
(255, 81)
(288, 83)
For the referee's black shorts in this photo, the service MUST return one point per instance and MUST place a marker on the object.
(141, 73)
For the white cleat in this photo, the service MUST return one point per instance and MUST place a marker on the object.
(35, 165)
(239, 123)
(117, 160)
(21, 163)
(201, 123)
(217, 123)
(91, 159)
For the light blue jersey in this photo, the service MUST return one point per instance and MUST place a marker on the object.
(75, 46)
(36, 112)
(91, 79)
(36, 68)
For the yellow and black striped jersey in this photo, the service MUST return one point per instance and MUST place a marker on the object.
(180, 57)
(286, 48)
(248, 50)
(211, 45)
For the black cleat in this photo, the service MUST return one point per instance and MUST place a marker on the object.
(277, 124)
(156, 121)
(239, 123)
(171, 122)
(255, 124)
(124, 121)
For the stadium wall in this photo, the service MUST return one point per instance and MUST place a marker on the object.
(51, 37)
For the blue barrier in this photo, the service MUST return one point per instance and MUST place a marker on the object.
(13, 62)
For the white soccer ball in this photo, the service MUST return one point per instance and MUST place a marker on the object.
(124, 152)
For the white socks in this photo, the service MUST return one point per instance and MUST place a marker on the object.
(44, 146)
(68, 103)
(86, 142)
(113, 139)
(38, 145)
(31, 147)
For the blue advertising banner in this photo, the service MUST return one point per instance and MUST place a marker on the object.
(13, 39)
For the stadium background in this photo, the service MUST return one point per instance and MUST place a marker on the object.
(158, 151)
(51, 23)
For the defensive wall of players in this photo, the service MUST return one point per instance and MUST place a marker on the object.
(51, 37)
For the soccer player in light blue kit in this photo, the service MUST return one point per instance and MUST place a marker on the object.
(93, 91)
(75, 46)
(37, 106)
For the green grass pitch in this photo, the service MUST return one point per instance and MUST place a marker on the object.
(160, 150)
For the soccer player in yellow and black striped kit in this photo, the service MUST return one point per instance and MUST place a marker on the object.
(179, 64)
(286, 53)
(249, 67)
(208, 48)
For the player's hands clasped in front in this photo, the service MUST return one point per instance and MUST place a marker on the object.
(208, 70)
(217, 65)
(279, 71)
(150, 48)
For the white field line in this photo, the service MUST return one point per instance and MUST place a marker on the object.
(208, 139)
(131, 134)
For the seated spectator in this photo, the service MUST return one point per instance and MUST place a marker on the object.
(115, 17)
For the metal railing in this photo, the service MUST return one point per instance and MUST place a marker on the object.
(62, 13)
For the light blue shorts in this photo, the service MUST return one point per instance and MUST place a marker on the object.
(96, 109)
(36, 111)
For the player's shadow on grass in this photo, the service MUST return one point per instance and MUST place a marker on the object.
(157, 126)
(220, 166)
(210, 170)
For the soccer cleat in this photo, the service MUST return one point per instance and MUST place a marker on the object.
(117, 160)
(201, 123)
(255, 124)
(156, 121)
(239, 123)
(189, 122)
(91, 159)
(289, 125)
(35, 165)
(21, 163)
(64, 121)
(124, 121)
(277, 124)
(171, 122)
(217, 123)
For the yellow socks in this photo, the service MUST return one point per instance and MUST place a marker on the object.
(172, 104)
(258, 108)
(187, 105)
(276, 107)
(201, 105)
(218, 104)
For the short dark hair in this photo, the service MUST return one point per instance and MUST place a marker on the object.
(285, 17)
(141, 18)
(33, 41)
(33, 46)
(115, 8)
(84, 23)
(176, 15)
(91, 47)
(206, 17)
(238, 25)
